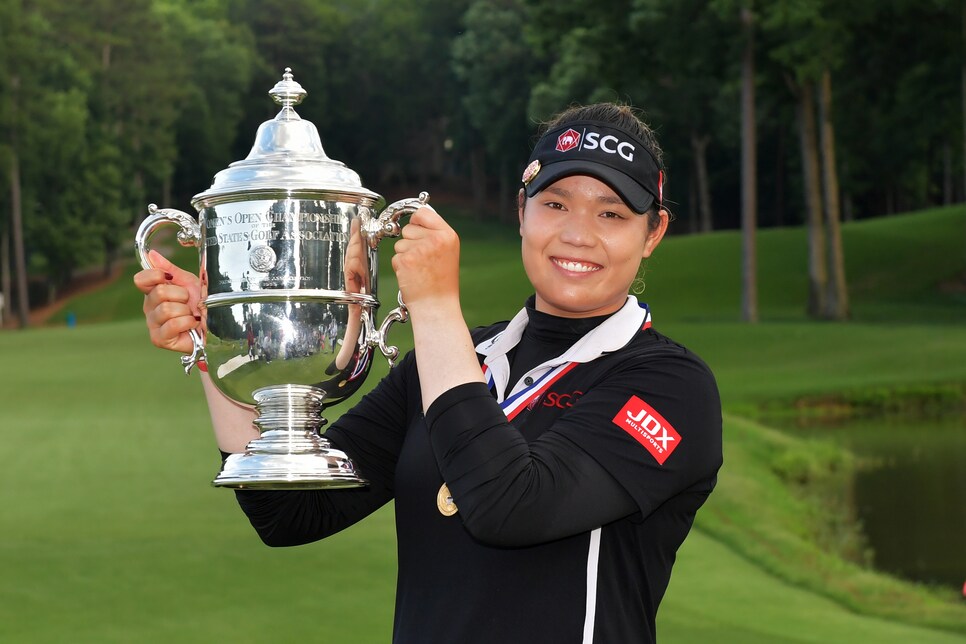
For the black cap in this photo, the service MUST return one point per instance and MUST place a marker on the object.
(617, 157)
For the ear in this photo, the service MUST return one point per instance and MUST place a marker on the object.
(521, 204)
(656, 233)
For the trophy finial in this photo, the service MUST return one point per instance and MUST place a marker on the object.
(287, 92)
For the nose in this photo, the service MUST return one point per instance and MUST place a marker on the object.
(579, 230)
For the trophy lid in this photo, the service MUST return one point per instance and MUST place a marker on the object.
(287, 158)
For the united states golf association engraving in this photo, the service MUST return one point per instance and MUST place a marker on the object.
(262, 258)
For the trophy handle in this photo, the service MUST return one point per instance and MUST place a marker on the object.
(188, 235)
(387, 225)
(398, 314)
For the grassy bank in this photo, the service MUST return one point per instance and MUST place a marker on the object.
(112, 533)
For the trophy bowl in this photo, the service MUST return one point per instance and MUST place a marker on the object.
(288, 254)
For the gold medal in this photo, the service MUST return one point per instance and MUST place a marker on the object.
(444, 501)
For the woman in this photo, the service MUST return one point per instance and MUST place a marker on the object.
(544, 470)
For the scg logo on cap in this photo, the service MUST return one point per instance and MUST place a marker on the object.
(568, 140)
(608, 143)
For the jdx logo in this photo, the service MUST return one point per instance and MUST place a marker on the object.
(594, 141)
(648, 428)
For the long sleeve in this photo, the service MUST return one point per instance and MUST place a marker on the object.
(511, 493)
(371, 434)
(586, 469)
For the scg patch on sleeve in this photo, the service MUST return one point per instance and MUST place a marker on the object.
(648, 428)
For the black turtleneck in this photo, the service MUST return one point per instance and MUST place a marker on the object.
(546, 337)
(554, 504)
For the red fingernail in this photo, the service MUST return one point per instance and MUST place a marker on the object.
(198, 317)
(168, 276)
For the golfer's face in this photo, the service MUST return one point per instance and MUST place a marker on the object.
(582, 246)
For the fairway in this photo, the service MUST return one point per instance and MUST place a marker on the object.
(716, 596)
(112, 533)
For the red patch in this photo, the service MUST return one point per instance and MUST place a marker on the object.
(648, 428)
(568, 140)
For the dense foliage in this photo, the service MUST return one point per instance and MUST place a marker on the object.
(107, 105)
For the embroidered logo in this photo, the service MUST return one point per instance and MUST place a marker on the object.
(568, 140)
(594, 141)
(648, 428)
(561, 401)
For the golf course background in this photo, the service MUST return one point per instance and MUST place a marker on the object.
(111, 532)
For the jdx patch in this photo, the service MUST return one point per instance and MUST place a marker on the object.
(648, 428)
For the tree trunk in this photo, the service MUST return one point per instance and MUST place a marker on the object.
(504, 211)
(962, 82)
(699, 148)
(6, 290)
(110, 255)
(693, 207)
(779, 214)
(166, 191)
(749, 201)
(817, 274)
(947, 174)
(838, 295)
(19, 256)
(478, 179)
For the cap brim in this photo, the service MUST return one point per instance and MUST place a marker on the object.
(637, 198)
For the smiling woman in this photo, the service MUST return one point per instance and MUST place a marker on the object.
(582, 246)
(544, 469)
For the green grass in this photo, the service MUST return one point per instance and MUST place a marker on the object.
(112, 533)
(895, 266)
(717, 596)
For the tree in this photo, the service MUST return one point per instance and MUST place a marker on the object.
(216, 87)
(689, 94)
(749, 184)
(22, 97)
(837, 297)
(133, 95)
(812, 188)
(809, 40)
(63, 222)
(493, 62)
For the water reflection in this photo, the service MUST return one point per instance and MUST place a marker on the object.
(911, 499)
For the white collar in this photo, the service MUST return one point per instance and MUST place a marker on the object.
(612, 334)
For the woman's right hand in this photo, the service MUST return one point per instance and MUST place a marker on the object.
(172, 298)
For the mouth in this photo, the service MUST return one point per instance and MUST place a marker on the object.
(576, 266)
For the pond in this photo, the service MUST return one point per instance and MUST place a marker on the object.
(910, 495)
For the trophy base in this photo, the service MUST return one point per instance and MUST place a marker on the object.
(290, 454)
(326, 470)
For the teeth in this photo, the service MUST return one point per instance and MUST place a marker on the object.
(576, 267)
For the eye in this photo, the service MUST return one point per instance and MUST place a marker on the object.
(610, 214)
(554, 205)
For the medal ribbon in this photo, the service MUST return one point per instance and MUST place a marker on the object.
(516, 403)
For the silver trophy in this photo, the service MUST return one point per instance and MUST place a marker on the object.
(288, 241)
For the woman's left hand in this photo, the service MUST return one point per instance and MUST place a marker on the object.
(426, 262)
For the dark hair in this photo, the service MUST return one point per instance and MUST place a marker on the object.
(623, 116)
